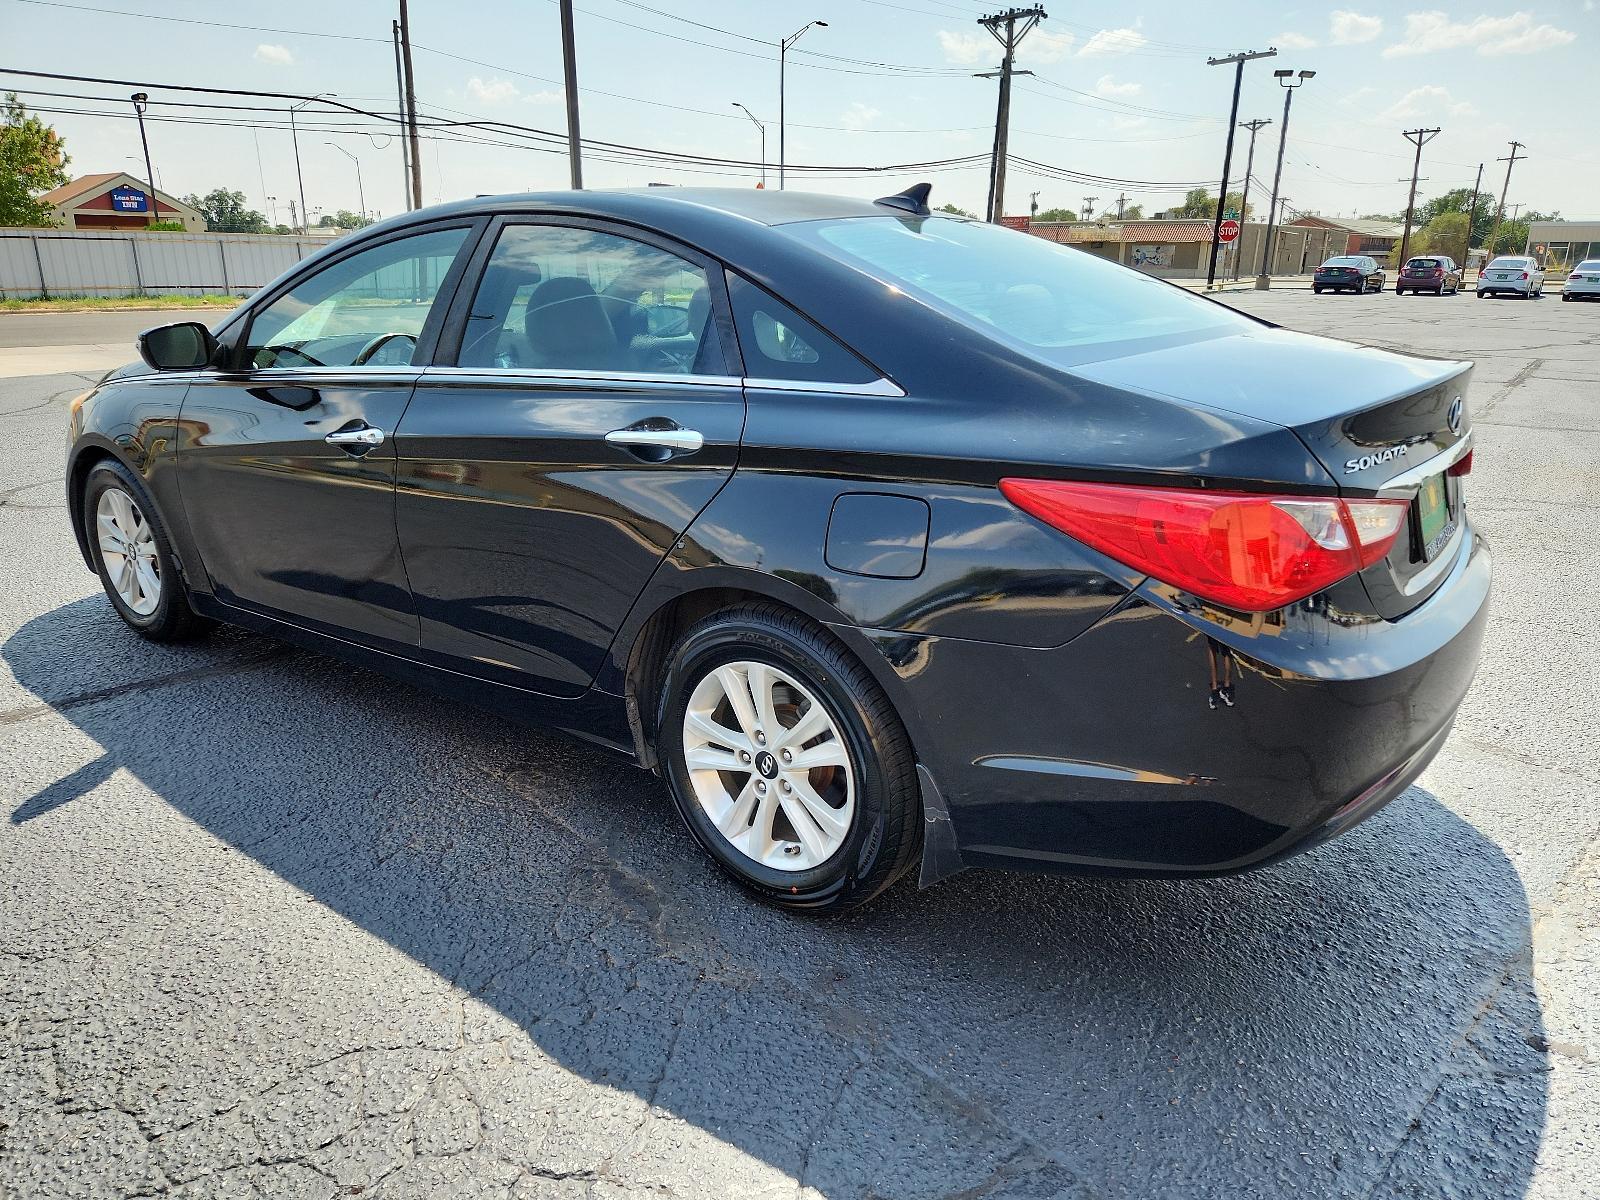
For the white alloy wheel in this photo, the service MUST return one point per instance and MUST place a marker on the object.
(768, 766)
(128, 549)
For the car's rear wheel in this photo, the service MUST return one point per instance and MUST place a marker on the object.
(1316, 289)
(787, 761)
(133, 556)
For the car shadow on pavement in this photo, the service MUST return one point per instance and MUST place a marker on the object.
(1358, 1021)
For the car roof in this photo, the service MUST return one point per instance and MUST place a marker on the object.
(656, 204)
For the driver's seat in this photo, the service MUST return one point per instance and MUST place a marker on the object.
(566, 327)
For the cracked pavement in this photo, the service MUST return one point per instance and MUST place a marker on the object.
(271, 926)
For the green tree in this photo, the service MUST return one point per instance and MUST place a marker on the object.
(1444, 234)
(1513, 235)
(1057, 214)
(1200, 205)
(343, 219)
(955, 211)
(1459, 200)
(1130, 212)
(225, 212)
(33, 159)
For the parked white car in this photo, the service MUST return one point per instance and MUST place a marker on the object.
(1512, 275)
(1583, 282)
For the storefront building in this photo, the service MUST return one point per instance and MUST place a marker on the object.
(1562, 245)
(116, 200)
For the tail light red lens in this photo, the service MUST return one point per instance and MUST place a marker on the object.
(1462, 465)
(1524, 274)
(1575, 275)
(1243, 550)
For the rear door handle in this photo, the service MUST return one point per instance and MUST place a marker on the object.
(679, 441)
(363, 437)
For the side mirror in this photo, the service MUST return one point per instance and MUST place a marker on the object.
(184, 346)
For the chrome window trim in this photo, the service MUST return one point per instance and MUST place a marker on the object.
(511, 375)
(878, 387)
(356, 376)
(1409, 481)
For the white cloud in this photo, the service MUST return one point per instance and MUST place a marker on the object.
(1107, 86)
(278, 56)
(859, 116)
(544, 97)
(1112, 41)
(1425, 101)
(1352, 28)
(1293, 41)
(968, 48)
(1427, 32)
(492, 91)
(1044, 47)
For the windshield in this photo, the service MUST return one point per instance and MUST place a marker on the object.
(1343, 262)
(1053, 301)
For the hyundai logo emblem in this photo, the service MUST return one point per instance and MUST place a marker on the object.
(1454, 416)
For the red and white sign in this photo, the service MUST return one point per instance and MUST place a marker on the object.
(1016, 222)
(1228, 230)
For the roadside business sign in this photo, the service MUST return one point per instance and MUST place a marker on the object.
(1016, 222)
(1228, 230)
(129, 199)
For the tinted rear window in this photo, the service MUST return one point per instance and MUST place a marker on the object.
(1344, 262)
(1424, 262)
(1511, 263)
(1053, 301)
(1592, 264)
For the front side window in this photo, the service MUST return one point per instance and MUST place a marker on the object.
(557, 298)
(1052, 301)
(367, 310)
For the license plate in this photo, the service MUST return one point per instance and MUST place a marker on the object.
(1433, 516)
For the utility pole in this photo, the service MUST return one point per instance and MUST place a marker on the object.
(1018, 23)
(1421, 137)
(1500, 212)
(569, 73)
(1239, 61)
(1033, 205)
(405, 127)
(153, 208)
(1122, 203)
(1290, 81)
(1088, 207)
(1472, 219)
(783, 58)
(1244, 200)
(411, 108)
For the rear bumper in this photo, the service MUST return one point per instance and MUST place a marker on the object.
(1114, 753)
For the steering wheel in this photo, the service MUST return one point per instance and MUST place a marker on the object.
(378, 343)
(279, 351)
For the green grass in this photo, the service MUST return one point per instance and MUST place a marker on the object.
(114, 303)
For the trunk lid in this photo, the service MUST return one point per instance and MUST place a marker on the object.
(1379, 423)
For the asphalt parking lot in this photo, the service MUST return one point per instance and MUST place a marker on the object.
(271, 926)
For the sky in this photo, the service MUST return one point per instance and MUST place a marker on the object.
(1119, 91)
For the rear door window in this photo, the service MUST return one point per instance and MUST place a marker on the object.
(565, 298)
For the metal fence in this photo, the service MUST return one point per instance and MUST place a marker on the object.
(49, 263)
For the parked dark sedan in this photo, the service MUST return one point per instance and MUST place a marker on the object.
(1434, 273)
(886, 538)
(1349, 273)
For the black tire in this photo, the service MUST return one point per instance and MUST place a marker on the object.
(172, 620)
(1565, 297)
(1315, 288)
(885, 835)
(1482, 294)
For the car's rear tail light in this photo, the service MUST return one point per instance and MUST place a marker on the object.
(1575, 275)
(1524, 274)
(1438, 272)
(1462, 465)
(1241, 549)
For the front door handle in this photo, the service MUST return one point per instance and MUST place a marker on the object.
(678, 441)
(359, 439)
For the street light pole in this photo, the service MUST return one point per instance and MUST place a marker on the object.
(361, 195)
(762, 127)
(1264, 278)
(294, 136)
(140, 99)
(783, 52)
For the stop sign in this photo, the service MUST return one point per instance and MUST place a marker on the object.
(1228, 230)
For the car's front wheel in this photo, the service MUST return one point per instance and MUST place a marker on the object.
(787, 761)
(133, 555)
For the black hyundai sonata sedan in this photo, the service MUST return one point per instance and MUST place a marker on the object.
(888, 539)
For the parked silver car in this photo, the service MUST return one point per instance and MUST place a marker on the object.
(1512, 275)
(1584, 282)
